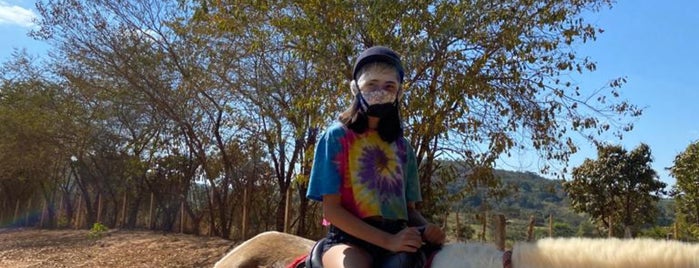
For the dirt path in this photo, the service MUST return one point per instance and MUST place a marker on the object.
(70, 248)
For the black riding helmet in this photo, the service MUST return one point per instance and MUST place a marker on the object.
(378, 54)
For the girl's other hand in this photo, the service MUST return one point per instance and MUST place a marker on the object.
(407, 240)
(433, 234)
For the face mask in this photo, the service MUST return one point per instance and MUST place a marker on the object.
(378, 97)
(377, 103)
(382, 104)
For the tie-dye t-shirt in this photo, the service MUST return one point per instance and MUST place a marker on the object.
(373, 177)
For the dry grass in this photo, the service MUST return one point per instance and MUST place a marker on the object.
(120, 248)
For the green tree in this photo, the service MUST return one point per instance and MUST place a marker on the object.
(618, 185)
(586, 229)
(34, 119)
(482, 77)
(196, 78)
(686, 190)
(144, 55)
(561, 229)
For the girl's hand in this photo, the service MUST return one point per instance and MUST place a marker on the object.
(433, 234)
(407, 240)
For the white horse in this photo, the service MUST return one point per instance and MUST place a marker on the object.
(275, 249)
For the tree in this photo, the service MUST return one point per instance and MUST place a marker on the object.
(146, 54)
(33, 123)
(618, 187)
(198, 78)
(482, 77)
(686, 190)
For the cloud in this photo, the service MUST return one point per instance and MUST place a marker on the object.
(16, 15)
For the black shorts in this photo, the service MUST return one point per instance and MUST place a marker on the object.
(336, 236)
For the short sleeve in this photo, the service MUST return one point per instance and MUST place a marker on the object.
(325, 177)
(412, 182)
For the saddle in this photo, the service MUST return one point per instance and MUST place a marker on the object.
(314, 259)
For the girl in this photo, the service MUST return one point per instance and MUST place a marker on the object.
(365, 173)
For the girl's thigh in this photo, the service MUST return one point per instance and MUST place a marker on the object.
(343, 255)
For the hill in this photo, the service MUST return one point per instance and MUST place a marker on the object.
(529, 194)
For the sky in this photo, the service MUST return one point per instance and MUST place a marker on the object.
(653, 44)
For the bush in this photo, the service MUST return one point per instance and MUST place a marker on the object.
(656, 232)
(97, 230)
(62, 221)
(465, 232)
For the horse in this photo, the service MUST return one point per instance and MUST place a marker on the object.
(278, 250)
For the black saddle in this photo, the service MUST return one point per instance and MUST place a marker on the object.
(402, 259)
(315, 257)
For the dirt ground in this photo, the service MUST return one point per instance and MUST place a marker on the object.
(115, 248)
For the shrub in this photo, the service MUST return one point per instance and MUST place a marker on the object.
(97, 230)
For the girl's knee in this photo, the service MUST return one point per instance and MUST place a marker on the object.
(346, 256)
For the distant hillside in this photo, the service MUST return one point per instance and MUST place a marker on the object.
(529, 194)
(534, 195)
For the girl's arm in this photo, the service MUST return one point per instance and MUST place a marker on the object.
(408, 239)
(414, 216)
(433, 233)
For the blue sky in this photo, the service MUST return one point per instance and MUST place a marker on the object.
(654, 44)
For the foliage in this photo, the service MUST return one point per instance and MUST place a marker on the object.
(464, 232)
(97, 230)
(527, 194)
(157, 82)
(687, 231)
(482, 78)
(218, 97)
(619, 189)
(586, 229)
(656, 232)
(686, 190)
(561, 229)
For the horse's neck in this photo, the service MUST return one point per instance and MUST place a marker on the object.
(467, 255)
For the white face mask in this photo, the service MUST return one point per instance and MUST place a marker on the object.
(378, 97)
(378, 86)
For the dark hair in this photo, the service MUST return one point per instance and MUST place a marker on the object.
(353, 118)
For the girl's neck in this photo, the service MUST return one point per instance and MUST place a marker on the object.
(373, 122)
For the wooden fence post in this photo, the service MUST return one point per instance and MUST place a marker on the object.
(286, 209)
(43, 213)
(59, 210)
(550, 225)
(123, 212)
(458, 227)
(3, 212)
(485, 224)
(244, 229)
(530, 229)
(445, 227)
(181, 217)
(78, 212)
(499, 234)
(610, 232)
(26, 212)
(150, 212)
(99, 208)
(14, 218)
(674, 231)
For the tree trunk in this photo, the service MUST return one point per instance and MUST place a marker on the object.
(281, 205)
(303, 209)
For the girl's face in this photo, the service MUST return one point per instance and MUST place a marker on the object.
(379, 78)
